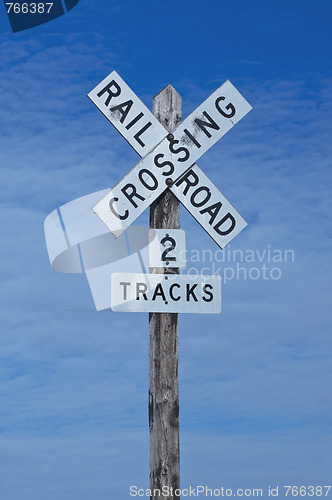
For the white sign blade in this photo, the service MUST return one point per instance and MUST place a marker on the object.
(209, 206)
(127, 113)
(131, 196)
(172, 157)
(211, 121)
(135, 292)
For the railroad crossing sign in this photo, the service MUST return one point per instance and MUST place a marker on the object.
(168, 162)
(169, 159)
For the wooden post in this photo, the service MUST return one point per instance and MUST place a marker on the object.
(164, 337)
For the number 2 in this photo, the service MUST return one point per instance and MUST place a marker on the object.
(172, 241)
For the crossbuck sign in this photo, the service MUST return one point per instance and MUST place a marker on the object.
(168, 160)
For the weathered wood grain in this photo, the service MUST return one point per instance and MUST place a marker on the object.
(164, 338)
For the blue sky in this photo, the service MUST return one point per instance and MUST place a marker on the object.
(255, 398)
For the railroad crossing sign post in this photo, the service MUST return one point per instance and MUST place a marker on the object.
(164, 335)
(166, 176)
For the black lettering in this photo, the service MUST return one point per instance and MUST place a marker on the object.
(160, 165)
(179, 150)
(213, 210)
(192, 138)
(124, 109)
(229, 106)
(164, 256)
(131, 195)
(171, 291)
(189, 183)
(197, 191)
(190, 291)
(210, 295)
(202, 125)
(221, 222)
(140, 132)
(141, 288)
(143, 181)
(124, 284)
(159, 292)
(121, 217)
(110, 93)
(135, 120)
